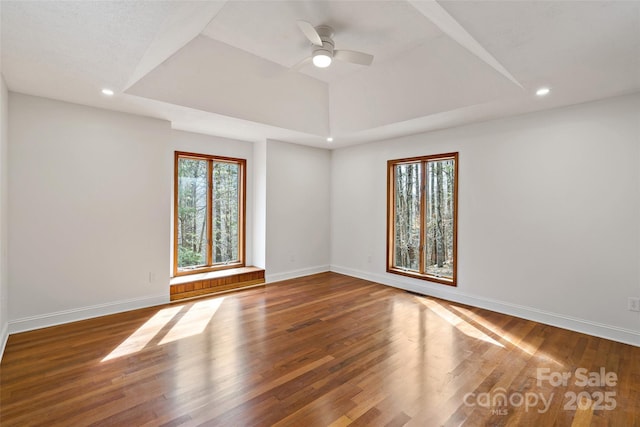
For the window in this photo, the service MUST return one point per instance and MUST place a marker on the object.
(209, 212)
(422, 194)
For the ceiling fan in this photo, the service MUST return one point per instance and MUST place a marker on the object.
(321, 37)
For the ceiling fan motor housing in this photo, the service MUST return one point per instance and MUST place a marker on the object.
(326, 35)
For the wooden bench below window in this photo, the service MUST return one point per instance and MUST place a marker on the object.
(213, 282)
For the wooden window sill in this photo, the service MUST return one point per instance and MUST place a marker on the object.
(213, 282)
(416, 275)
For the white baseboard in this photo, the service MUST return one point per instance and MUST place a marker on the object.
(614, 333)
(271, 278)
(58, 318)
(82, 313)
(627, 336)
(4, 336)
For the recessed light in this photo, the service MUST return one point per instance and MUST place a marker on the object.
(543, 91)
(107, 92)
(329, 139)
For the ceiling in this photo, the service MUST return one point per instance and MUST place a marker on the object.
(224, 67)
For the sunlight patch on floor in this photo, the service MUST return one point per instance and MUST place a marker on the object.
(194, 321)
(457, 321)
(144, 334)
(191, 323)
(519, 343)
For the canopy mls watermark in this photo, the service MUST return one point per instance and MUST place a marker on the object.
(498, 401)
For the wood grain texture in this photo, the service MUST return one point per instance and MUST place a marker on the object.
(324, 350)
(214, 282)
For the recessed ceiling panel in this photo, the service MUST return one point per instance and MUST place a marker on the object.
(212, 76)
(268, 29)
(435, 77)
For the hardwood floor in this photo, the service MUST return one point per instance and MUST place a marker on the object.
(322, 350)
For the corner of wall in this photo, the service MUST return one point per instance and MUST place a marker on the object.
(294, 274)
(4, 285)
(259, 203)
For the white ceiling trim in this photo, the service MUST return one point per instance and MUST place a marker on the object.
(441, 18)
(179, 30)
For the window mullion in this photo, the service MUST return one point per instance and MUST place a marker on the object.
(210, 213)
(423, 217)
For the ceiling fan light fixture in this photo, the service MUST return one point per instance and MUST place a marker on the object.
(321, 58)
(323, 53)
(543, 91)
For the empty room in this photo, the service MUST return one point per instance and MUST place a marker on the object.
(319, 213)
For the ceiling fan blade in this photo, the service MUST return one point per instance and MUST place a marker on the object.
(353, 57)
(301, 64)
(310, 32)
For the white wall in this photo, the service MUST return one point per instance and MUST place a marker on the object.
(549, 205)
(259, 203)
(4, 215)
(89, 207)
(205, 144)
(298, 202)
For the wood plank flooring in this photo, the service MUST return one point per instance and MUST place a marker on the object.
(324, 350)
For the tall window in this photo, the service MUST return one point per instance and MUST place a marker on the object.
(422, 217)
(209, 212)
